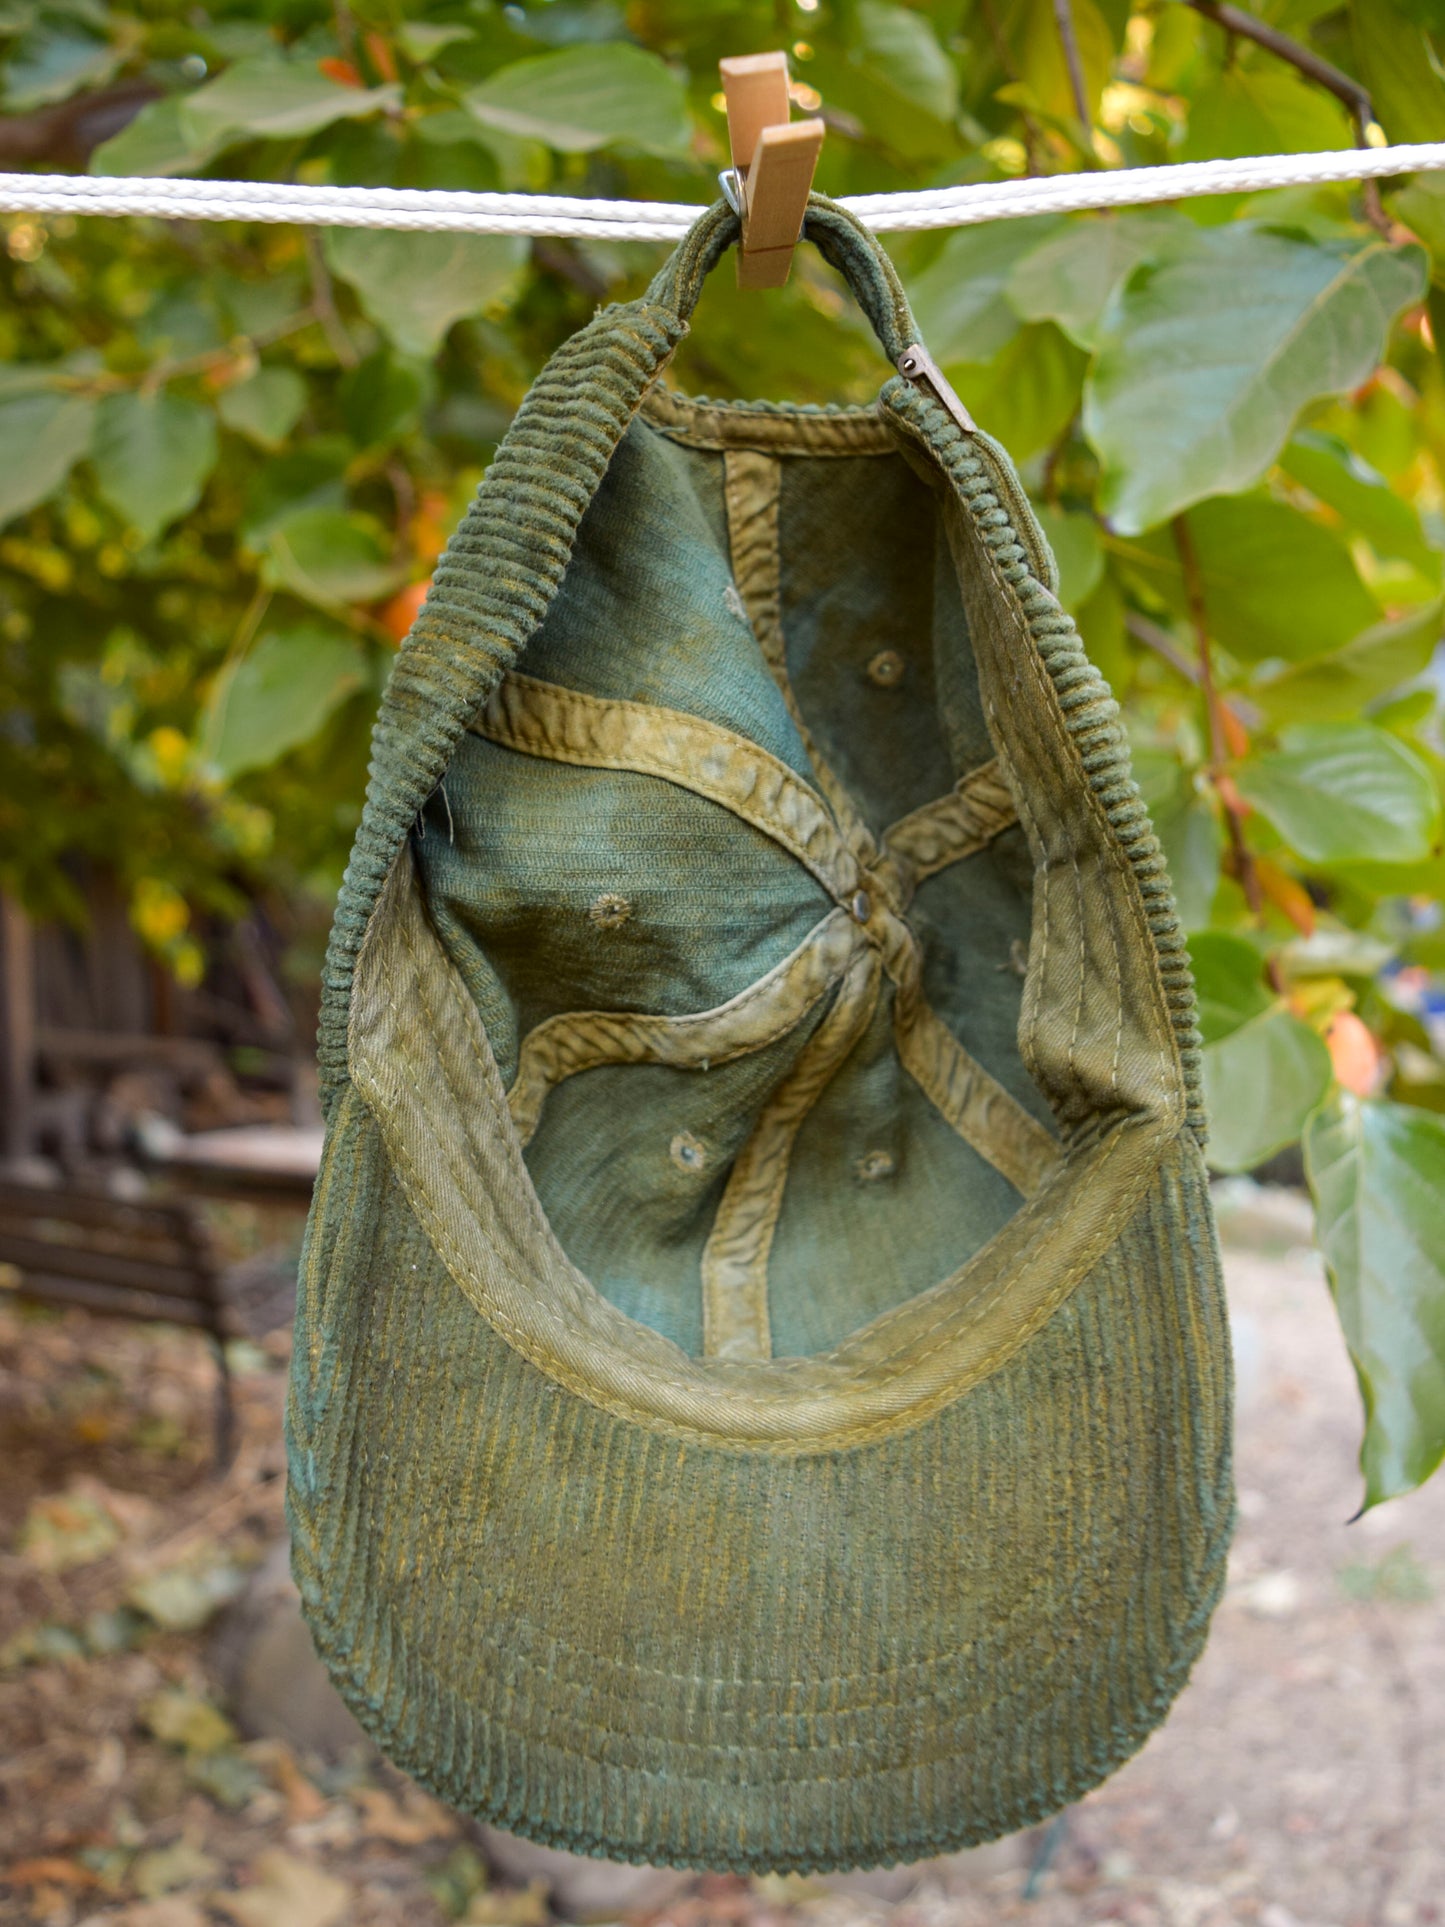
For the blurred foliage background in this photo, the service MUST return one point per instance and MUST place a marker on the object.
(232, 454)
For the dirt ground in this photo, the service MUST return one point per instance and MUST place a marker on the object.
(1298, 1783)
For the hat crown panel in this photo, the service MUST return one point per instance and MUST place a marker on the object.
(726, 582)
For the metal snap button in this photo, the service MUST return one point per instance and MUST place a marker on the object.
(861, 908)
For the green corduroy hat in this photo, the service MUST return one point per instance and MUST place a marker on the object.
(761, 1394)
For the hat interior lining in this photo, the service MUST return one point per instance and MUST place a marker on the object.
(874, 1345)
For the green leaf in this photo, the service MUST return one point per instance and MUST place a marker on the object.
(1276, 582)
(1077, 549)
(896, 80)
(1188, 830)
(1377, 1174)
(1395, 63)
(379, 397)
(1206, 358)
(1029, 393)
(154, 143)
(1338, 791)
(306, 477)
(1229, 982)
(1070, 277)
(1263, 110)
(1344, 481)
(582, 98)
(1101, 619)
(414, 286)
(266, 407)
(1261, 1082)
(901, 51)
(1333, 953)
(420, 40)
(48, 377)
(277, 697)
(959, 299)
(1420, 204)
(330, 558)
(1407, 713)
(43, 436)
(266, 98)
(152, 456)
(47, 65)
(1345, 683)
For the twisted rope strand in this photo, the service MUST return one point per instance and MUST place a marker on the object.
(565, 217)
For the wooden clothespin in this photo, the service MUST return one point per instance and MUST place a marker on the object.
(773, 162)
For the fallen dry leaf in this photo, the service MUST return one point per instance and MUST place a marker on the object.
(287, 1892)
(52, 1869)
(405, 1822)
(185, 1720)
(183, 1864)
(186, 1596)
(170, 1912)
(279, 1763)
(510, 1907)
(67, 1529)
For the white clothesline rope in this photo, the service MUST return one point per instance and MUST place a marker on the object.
(556, 215)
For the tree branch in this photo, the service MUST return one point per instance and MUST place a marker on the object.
(160, 372)
(1033, 136)
(1234, 20)
(562, 258)
(323, 299)
(1234, 808)
(1073, 60)
(71, 130)
(1163, 645)
(1344, 87)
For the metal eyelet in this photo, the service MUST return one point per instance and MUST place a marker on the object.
(687, 1152)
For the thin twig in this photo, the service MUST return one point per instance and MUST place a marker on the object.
(345, 31)
(323, 299)
(160, 372)
(403, 494)
(562, 258)
(1234, 20)
(1073, 60)
(1355, 95)
(1164, 646)
(250, 622)
(1213, 708)
(1050, 478)
(1033, 133)
(1375, 213)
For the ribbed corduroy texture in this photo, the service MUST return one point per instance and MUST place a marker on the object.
(491, 589)
(1089, 707)
(614, 1642)
(624, 1640)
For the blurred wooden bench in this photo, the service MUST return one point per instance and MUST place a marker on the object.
(273, 1161)
(127, 1260)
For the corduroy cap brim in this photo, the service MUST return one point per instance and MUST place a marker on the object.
(622, 1641)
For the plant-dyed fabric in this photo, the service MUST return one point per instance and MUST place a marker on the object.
(762, 1394)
